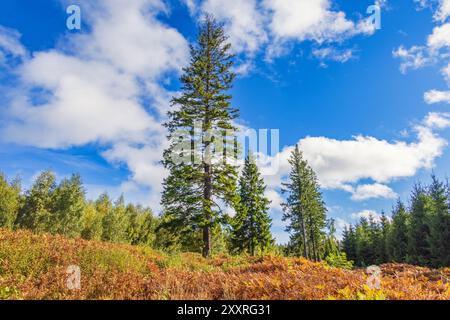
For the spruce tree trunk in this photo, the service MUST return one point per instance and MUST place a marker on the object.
(207, 212)
(305, 242)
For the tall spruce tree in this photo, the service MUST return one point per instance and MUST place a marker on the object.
(439, 224)
(398, 235)
(419, 230)
(304, 208)
(251, 225)
(197, 184)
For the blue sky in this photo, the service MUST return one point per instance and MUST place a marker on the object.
(367, 106)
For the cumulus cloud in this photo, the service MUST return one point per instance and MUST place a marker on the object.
(437, 96)
(89, 89)
(370, 191)
(310, 20)
(367, 214)
(271, 25)
(343, 164)
(244, 22)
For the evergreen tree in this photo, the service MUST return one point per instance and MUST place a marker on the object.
(10, 201)
(36, 214)
(251, 225)
(349, 243)
(195, 185)
(67, 207)
(383, 253)
(419, 231)
(304, 208)
(439, 238)
(398, 235)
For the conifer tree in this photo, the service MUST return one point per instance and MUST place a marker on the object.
(197, 185)
(398, 235)
(439, 238)
(419, 231)
(304, 208)
(251, 225)
(349, 243)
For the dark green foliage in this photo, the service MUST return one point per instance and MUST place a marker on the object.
(398, 235)
(418, 236)
(251, 225)
(200, 172)
(304, 209)
(439, 225)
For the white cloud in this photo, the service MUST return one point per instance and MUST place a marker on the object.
(437, 120)
(367, 214)
(435, 51)
(437, 96)
(342, 164)
(309, 20)
(10, 46)
(414, 58)
(440, 38)
(92, 85)
(244, 23)
(370, 191)
(444, 10)
(330, 53)
(275, 199)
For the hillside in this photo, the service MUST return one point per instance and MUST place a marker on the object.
(35, 266)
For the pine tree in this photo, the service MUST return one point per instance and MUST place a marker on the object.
(419, 231)
(439, 224)
(398, 235)
(383, 249)
(36, 214)
(195, 185)
(251, 225)
(10, 201)
(304, 208)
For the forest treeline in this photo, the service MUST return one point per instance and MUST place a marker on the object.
(417, 234)
(204, 182)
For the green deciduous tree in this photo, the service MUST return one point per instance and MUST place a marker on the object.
(36, 213)
(68, 204)
(10, 201)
